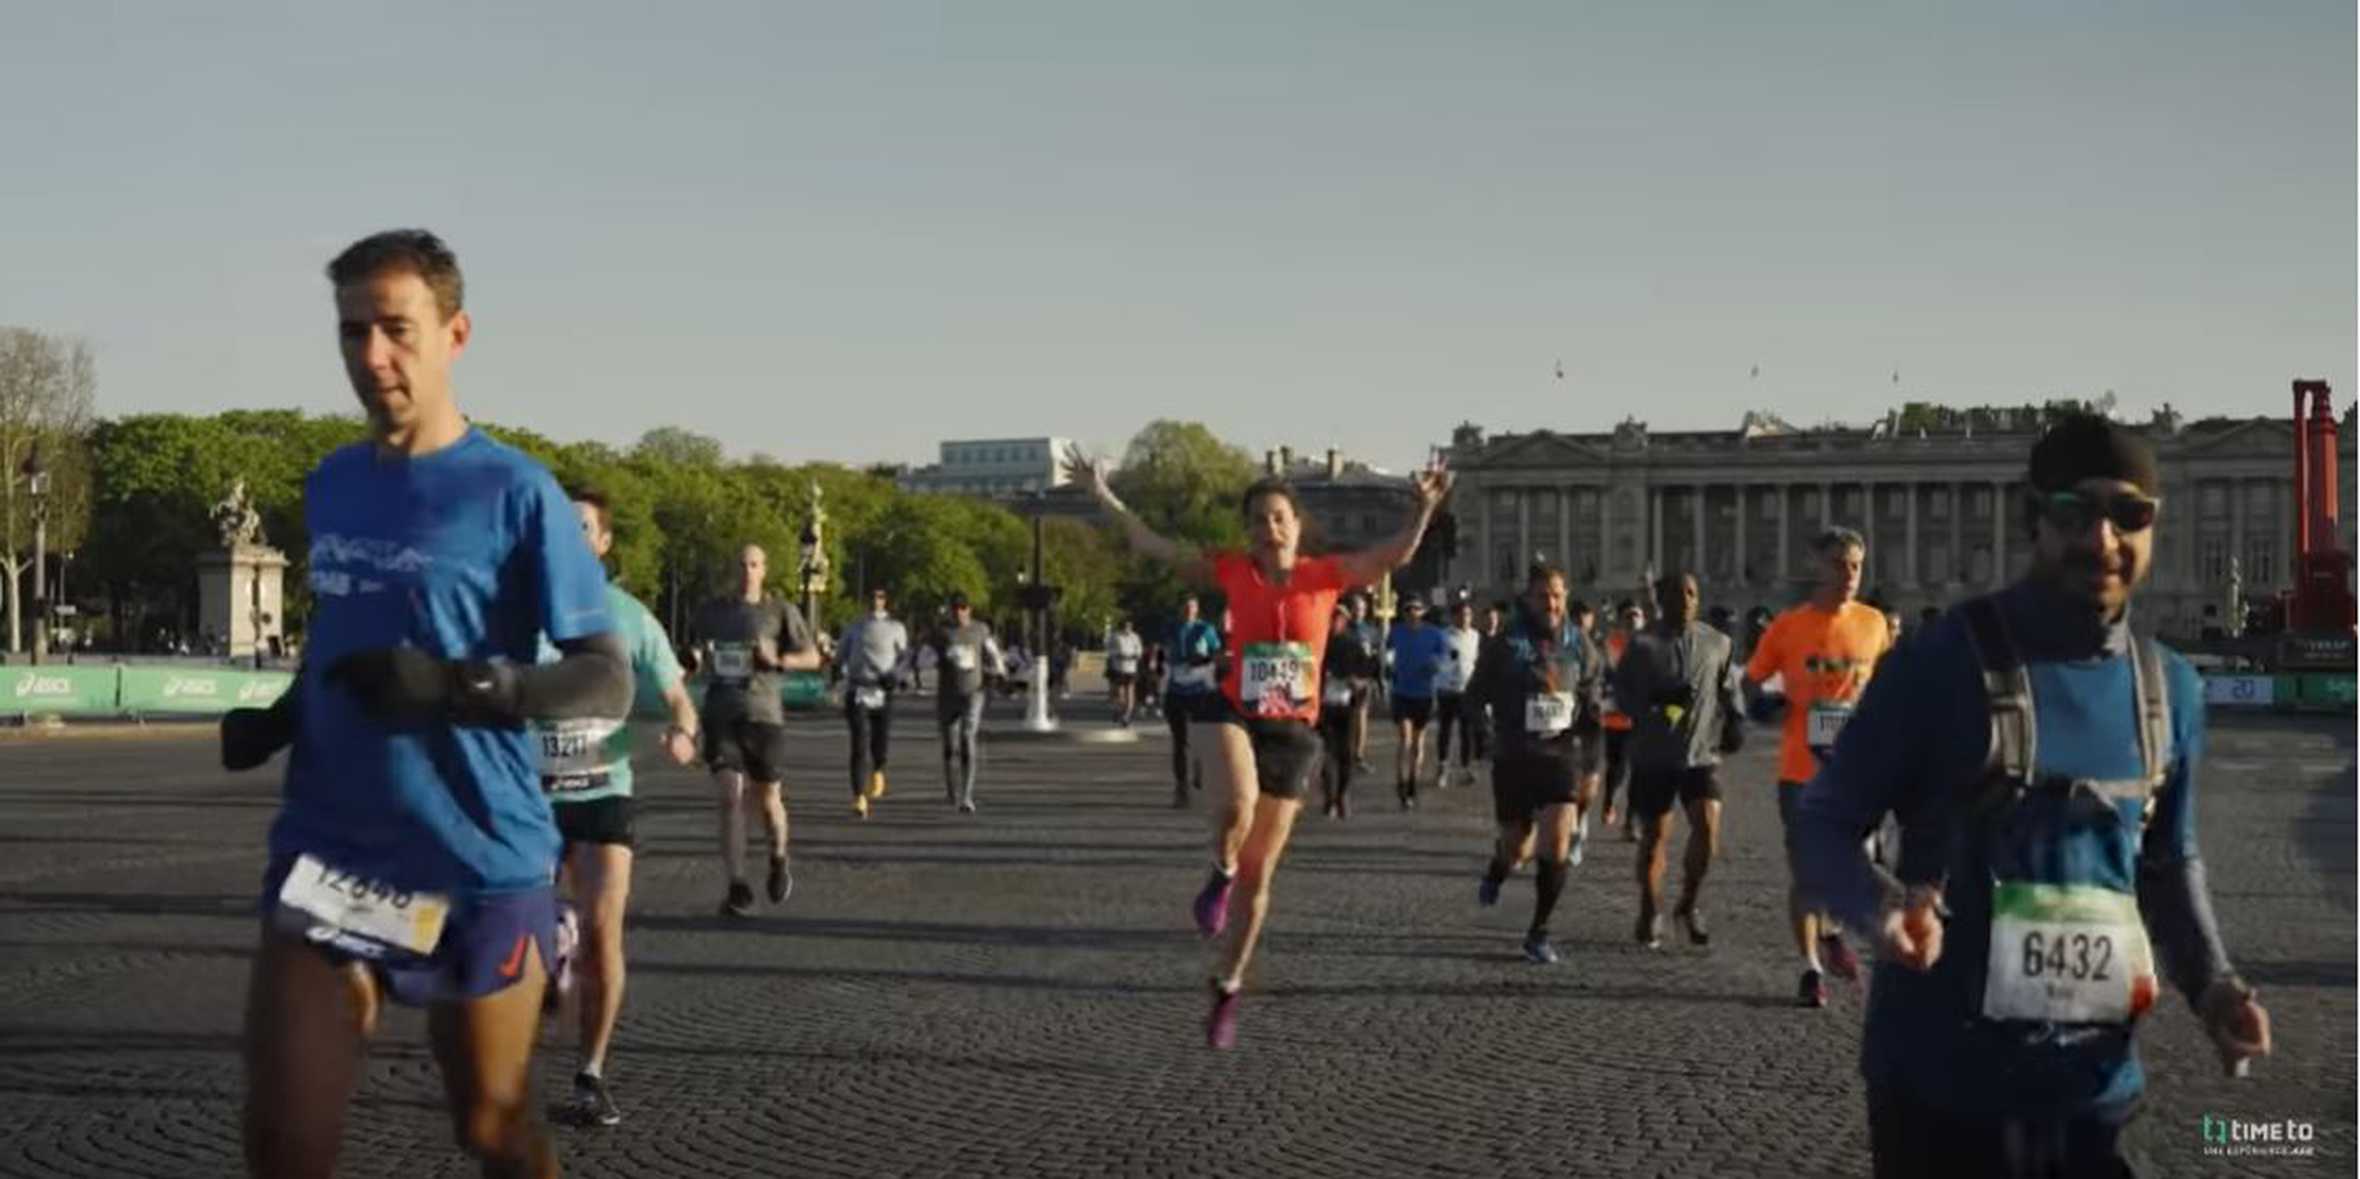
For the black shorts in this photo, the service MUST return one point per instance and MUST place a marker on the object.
(1653, 791)
(1285, 752)
(1417, 710)
(609, 820)
(1120, 679)
(1205, 707)
(1524, 782)
(753, 748)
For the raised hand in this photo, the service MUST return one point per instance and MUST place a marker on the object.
(1433, 483)
(1090, 472)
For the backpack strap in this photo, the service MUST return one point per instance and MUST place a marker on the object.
(2007, 692)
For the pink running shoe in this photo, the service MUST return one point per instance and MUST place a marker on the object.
(1212, 904)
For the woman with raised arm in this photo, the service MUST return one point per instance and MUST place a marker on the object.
(1262, 748)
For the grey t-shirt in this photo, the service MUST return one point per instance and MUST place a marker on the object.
(873, 652)
(1680, 691)
(965, 654)
(730, 627)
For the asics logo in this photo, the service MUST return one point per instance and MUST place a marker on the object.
(33, 683)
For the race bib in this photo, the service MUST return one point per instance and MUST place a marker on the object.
(1274, 679)
(573, 752)
(1198, 677)
(870, 698)
(341, 902)
(1823, 722)
(2066, 954)
(733, 661)
(1547, 714)
(963, 658)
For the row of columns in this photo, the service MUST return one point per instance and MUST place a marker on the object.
(1912, 566)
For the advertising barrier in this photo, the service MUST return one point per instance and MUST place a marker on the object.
(2240, 691)
(64, 691)
(156, 691)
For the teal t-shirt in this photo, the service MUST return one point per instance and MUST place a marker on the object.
(586, 760)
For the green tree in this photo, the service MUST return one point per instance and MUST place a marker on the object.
(1184, 482)
(671, 444)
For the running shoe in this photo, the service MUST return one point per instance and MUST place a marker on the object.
(1538, 951)
(1649, 932)
(966, 806)
(860, 805)
(782, 882)
(741, 900)
(1581, 841)
(1689, 916)
(877, 784)
(1841, 962)
(1221, 1024)
(1811, 991)
(1212, 904)
(1487, 893)
(592, 1103)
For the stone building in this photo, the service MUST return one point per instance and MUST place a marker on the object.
(1942, 511)
(1353, 506)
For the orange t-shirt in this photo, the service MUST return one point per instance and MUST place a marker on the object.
(1823, 656)
(1278, 634)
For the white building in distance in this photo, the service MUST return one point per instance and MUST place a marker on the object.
(992, 467)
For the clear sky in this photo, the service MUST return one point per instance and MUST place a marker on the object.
(849, 230)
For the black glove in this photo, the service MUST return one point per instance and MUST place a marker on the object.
(1732, 735)
(249, 736)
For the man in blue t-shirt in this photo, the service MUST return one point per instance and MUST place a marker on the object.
(1417, 652)
(1192, 663)
(413, 852)
(2042, 761)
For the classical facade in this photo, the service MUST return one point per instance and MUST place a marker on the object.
(992, 467)
(1941, 512)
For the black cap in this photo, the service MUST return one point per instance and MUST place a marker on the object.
(958, 599)
(2086, 446)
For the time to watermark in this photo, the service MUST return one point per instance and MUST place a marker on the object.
(2246, 1138)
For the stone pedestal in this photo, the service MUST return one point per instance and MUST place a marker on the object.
(240, 598)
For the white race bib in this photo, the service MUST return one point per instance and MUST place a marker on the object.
(733, 661)
(1547, 714)
(870, 698)
(1199, 676)
(1274, 679)
(344, 902)
(963, 658)
(1335, 693)
(1826, 719)
(2066, 954)
(573, 751)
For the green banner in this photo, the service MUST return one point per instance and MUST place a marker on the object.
(66, 691)
(2325, 690)
(149, 691)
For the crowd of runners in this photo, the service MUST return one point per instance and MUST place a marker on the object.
(457, 823)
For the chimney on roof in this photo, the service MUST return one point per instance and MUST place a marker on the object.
(1286, 459)
(1270, 461)
(1335, 464)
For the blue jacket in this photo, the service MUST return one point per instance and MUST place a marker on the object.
(1917, 747)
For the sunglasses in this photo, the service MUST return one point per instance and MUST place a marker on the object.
(2074, 511)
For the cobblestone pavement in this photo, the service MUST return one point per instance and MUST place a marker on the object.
(1019, 992)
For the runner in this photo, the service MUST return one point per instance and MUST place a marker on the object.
(1124, 649)
(1194, 660)
(1371, 633)
(411, 853)
(1541, 678)
(1823, 653)
(875, 650)
(586, 770)
(1417, 652)
(1346, 666)
(969, 658)
(1680, 678)
(1264, 749)
(2042, 760)
(1152, 673)
(1615, 722)
(1462, 643)
(1589, 728)
(744, 641)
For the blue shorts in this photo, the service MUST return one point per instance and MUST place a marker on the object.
(481, 953)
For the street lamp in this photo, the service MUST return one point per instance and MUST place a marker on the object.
(1036, 597)
(37, 486)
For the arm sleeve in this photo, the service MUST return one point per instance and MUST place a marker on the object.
(1882, 750)
(2174, 894)
(591, 678)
